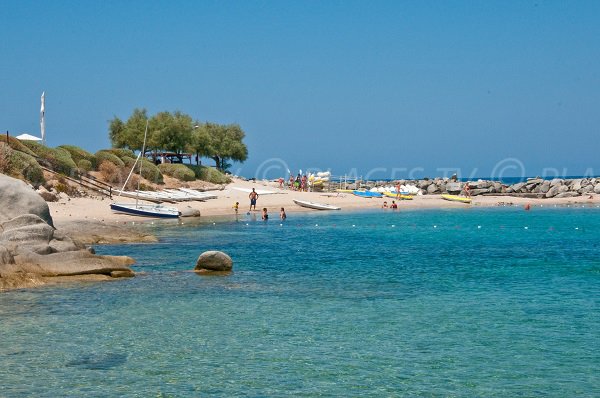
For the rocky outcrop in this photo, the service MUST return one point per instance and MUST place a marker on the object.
(532, 187)
(214, 261)
(18, 198)
(31, 249)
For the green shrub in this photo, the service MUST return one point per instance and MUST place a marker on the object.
(17, 145)
(107, 156)
(110, 172)
(121, 153)
(57, 159)
(78, 154)
(209, 174)
(84, 165)
(179, 171)
(26, 167)
(128, 161)
(149, 171)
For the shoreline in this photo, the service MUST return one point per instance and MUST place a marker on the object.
(91, 220)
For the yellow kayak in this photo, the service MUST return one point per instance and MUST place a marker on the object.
(456, 198)
(395, 196)
(344, 190)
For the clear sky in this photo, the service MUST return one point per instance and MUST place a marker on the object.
(386, 88)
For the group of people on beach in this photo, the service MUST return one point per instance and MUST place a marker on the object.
(253, 196)
(300, 183)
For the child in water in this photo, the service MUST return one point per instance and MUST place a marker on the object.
(236, 206)
(282, 214)
(265, 216)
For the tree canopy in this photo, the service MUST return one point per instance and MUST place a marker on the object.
(177, 132)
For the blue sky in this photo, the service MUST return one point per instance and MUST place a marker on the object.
(379, 88)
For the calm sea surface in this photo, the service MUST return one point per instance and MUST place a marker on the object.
(462, 303)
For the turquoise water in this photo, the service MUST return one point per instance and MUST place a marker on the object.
(460, 303)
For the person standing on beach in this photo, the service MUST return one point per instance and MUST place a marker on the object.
(467, 190)
(398, 190)
(282, 214)
(253, 198)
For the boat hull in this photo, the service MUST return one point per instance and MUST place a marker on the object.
(145, 210)
(367, 194)
(456, 198)
(315, 205)
(395, 196)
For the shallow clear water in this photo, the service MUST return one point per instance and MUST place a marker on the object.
(497, 302)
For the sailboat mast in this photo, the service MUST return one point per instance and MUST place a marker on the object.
(141, 161)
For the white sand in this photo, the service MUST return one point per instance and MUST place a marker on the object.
(98, 210)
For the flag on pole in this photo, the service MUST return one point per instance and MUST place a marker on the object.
(42, 120)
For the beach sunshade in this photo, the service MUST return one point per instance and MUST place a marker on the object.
(27, 137)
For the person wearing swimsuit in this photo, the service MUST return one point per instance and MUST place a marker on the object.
(265, 216)
(253, 197)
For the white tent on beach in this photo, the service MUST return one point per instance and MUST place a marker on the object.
(27, 137)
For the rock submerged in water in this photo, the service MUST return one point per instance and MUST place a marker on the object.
(214, 261)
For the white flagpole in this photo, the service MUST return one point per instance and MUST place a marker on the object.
(42, 120)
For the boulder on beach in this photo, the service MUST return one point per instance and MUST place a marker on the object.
(31, 249)
(18, 198)
(214, 261)
(453, 188)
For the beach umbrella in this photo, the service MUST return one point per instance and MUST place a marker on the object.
(27, 137)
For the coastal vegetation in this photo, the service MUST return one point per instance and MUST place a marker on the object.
(177, 132)
(26, 160)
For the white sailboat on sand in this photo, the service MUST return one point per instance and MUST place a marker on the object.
(144, 210)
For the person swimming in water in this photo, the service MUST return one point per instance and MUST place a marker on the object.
(282, 214)
(265, 216)
(394, 205)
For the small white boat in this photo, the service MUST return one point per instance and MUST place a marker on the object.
(198, 195)
(315, 205)
(146, 210)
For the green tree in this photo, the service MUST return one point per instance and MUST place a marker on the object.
(131, 133)
(227, 144)
(171, 132)
(200, 143)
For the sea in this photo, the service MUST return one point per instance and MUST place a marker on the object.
(496, 302)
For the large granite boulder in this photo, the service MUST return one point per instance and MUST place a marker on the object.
(453, 188)
(567, 194)
(17, 198)
(518, 186)
(545, 186)
(214, 261)
(553, 191)
(31, 249)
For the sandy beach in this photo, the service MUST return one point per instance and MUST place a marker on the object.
(92, 216)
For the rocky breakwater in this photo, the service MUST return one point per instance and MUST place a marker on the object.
(33, 252)
(532, 187)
